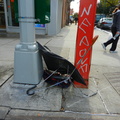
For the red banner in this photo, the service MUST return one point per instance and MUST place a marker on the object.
(86, 19)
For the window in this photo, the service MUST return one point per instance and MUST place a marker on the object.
(2, 15)
(12, 12)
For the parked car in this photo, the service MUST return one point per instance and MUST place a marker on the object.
(98, 17)
(105, 23)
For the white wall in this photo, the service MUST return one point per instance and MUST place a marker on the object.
(54, 26)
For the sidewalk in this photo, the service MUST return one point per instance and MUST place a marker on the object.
(100, 102)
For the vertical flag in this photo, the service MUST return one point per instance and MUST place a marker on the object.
(86, 19)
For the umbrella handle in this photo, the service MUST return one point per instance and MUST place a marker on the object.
(30, 91)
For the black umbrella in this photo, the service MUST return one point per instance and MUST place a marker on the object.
(53, 62)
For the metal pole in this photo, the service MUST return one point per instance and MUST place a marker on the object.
(28, 67)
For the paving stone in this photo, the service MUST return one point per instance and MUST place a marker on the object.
(114, 79)
(15, 96)
(83, 100)
(3, 112)
(109, 96)
(5, 74)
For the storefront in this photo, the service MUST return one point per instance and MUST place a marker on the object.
(9, 23)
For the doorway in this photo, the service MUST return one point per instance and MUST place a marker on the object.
(2, 15)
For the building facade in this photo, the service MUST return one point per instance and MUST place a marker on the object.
(65, 13)
(59, 13)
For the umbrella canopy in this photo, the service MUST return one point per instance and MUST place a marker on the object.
(54, 62)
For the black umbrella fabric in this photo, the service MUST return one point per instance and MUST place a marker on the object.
(54, 62)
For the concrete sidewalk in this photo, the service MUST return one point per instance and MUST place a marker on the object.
(100, 102)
